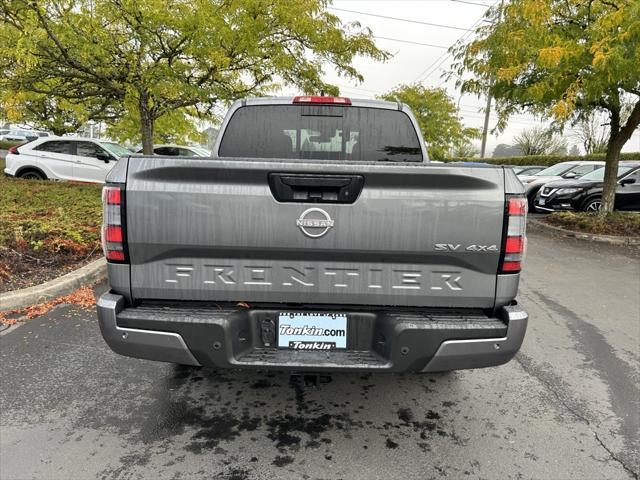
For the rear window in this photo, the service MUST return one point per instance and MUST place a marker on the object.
(167, 151)
(322, 133)
(57, 146)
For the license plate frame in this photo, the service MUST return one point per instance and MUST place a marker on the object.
(312, 331)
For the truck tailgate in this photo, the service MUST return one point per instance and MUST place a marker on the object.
(412, 235)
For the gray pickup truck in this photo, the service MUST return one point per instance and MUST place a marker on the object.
(318, 238)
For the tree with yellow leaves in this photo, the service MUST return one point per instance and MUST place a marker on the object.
(562, 59)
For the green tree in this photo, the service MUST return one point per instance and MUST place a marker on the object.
(158, 56)
(174, 127)
(437, 116)
(54, 114)
(562, 59)
(506, 150)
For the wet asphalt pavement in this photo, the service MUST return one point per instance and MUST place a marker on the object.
(566, 407)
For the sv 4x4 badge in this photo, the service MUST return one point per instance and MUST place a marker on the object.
(450, 247)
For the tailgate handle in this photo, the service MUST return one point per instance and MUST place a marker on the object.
(305, 188)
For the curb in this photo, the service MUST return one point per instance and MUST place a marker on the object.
(591, 237)
(57, 287)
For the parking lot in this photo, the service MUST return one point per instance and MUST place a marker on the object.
(565, 407)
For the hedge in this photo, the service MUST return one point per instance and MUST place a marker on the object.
(4, 145)
(546, 160)
(616, 223)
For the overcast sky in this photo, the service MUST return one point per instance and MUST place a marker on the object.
(418, 62)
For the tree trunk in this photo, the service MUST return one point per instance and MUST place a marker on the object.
(618, 137)
(611, 173)
(146, 125)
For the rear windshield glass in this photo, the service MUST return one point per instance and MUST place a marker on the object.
(555, 170)
(321, 132)
(598, 175)
(117, 150)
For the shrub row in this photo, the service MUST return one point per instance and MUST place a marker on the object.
(547, 160)
(4, 145)
(616, 223)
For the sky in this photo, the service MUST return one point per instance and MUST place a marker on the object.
(420, 54)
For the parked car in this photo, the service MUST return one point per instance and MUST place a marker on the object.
(179, 151)
(64, 158)
(585, 193)
(527, 170)
(12, 136)
(566, 170)
(349, 253)
(21, 135)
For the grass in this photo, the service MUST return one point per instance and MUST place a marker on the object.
(616, 223)
(49, 221)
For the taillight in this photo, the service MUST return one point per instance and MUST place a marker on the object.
(515, 240)
(323, 100)
(15, 148)
(113, 233)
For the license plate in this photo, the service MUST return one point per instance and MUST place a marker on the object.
(541, 201)
(312, 331)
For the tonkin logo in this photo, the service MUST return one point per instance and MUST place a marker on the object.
(314, 222)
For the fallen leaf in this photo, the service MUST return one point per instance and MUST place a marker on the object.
(83, 297)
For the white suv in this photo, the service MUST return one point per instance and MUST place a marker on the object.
(64, 158)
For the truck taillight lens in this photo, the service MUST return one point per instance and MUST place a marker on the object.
(113, 233)
(515, 240)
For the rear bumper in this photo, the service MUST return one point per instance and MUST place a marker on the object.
(391, 340)
(484, 352)
(140, 343)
